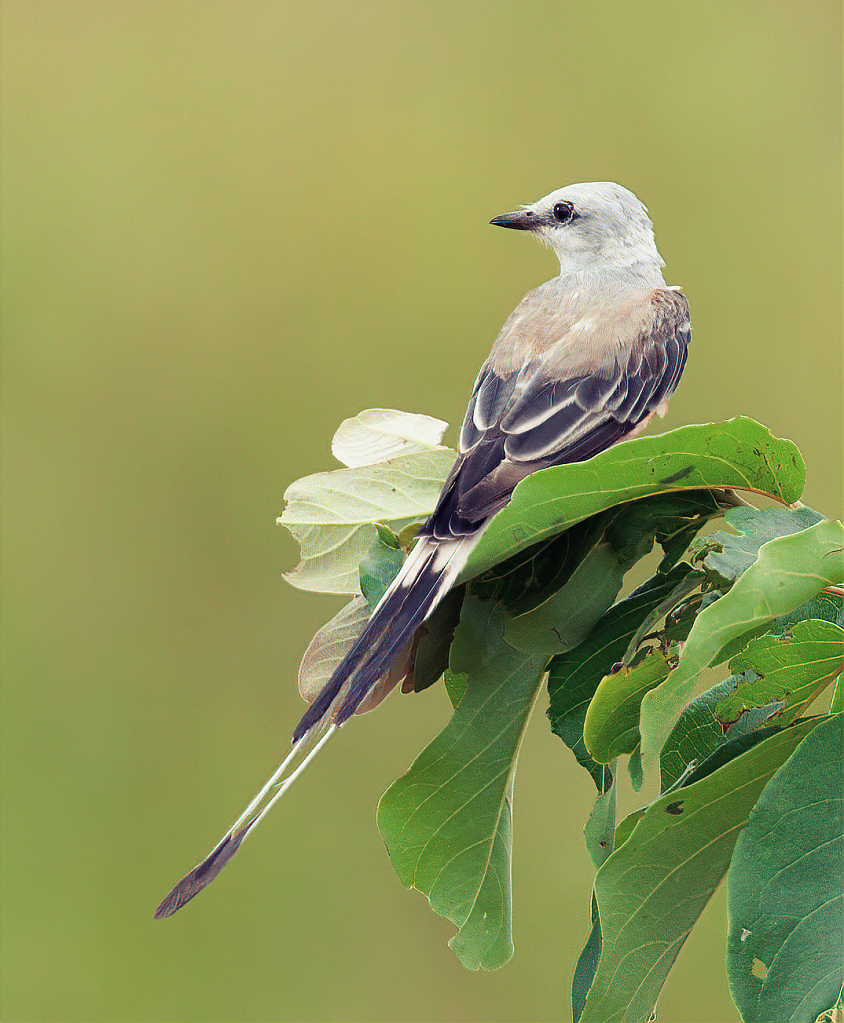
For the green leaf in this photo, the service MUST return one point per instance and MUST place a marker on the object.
(787, 572)
(447, 822)
(626, 827)
(600, 828)
(531, 577)
(560, 622)
(793, 668)
(653, 888)
(611, 727)
(455, 686)
(679, 608)
(786, 906)
(430, 659)
(825, 606)
(584, 972)
(379, 566)
(635, 769)
(773, 680)
(332, 514)
(697, 734)
(573, 677)
(728, 555)
(738, 454)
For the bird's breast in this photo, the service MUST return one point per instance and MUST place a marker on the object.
(576, 331)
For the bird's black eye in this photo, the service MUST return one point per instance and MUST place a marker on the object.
(563, 212)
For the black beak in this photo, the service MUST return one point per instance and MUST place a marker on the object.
(520, 220)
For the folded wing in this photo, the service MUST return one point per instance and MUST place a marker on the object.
(550, 411)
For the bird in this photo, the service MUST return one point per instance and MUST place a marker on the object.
(585, 361)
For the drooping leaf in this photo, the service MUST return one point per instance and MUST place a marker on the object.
(330, 645)
(584, 972)
(738, 454)
(653, 888)
(588, 566)
(447, 822)
(332, 514)
(573, 677)
(611, 726)
(786, 904)
(729, 554)
(600, 828)
(381, 434)
(787, 572)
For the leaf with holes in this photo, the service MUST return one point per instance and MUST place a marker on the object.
(573, 677)
(653, 888)
(786, 903)
(787, 572)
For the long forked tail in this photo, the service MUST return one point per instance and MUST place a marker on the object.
(425, 578)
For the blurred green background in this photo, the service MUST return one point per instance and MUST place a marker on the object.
(227, 226)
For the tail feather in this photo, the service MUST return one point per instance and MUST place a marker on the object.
(205, 872)
(423, 581)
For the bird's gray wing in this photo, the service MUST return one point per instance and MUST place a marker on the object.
(537, 416)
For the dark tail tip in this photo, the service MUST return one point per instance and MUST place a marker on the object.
(315, 713)
(202, 875)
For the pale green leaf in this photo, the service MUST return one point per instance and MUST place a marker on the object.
(381, 434)
(330, 645)
(332, 514)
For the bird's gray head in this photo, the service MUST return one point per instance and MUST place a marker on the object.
(590, 225)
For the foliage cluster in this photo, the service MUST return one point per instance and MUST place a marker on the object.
(749, 768)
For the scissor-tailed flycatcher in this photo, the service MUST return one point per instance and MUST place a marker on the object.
(583, 362)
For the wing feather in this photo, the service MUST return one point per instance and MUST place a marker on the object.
(530, 417)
